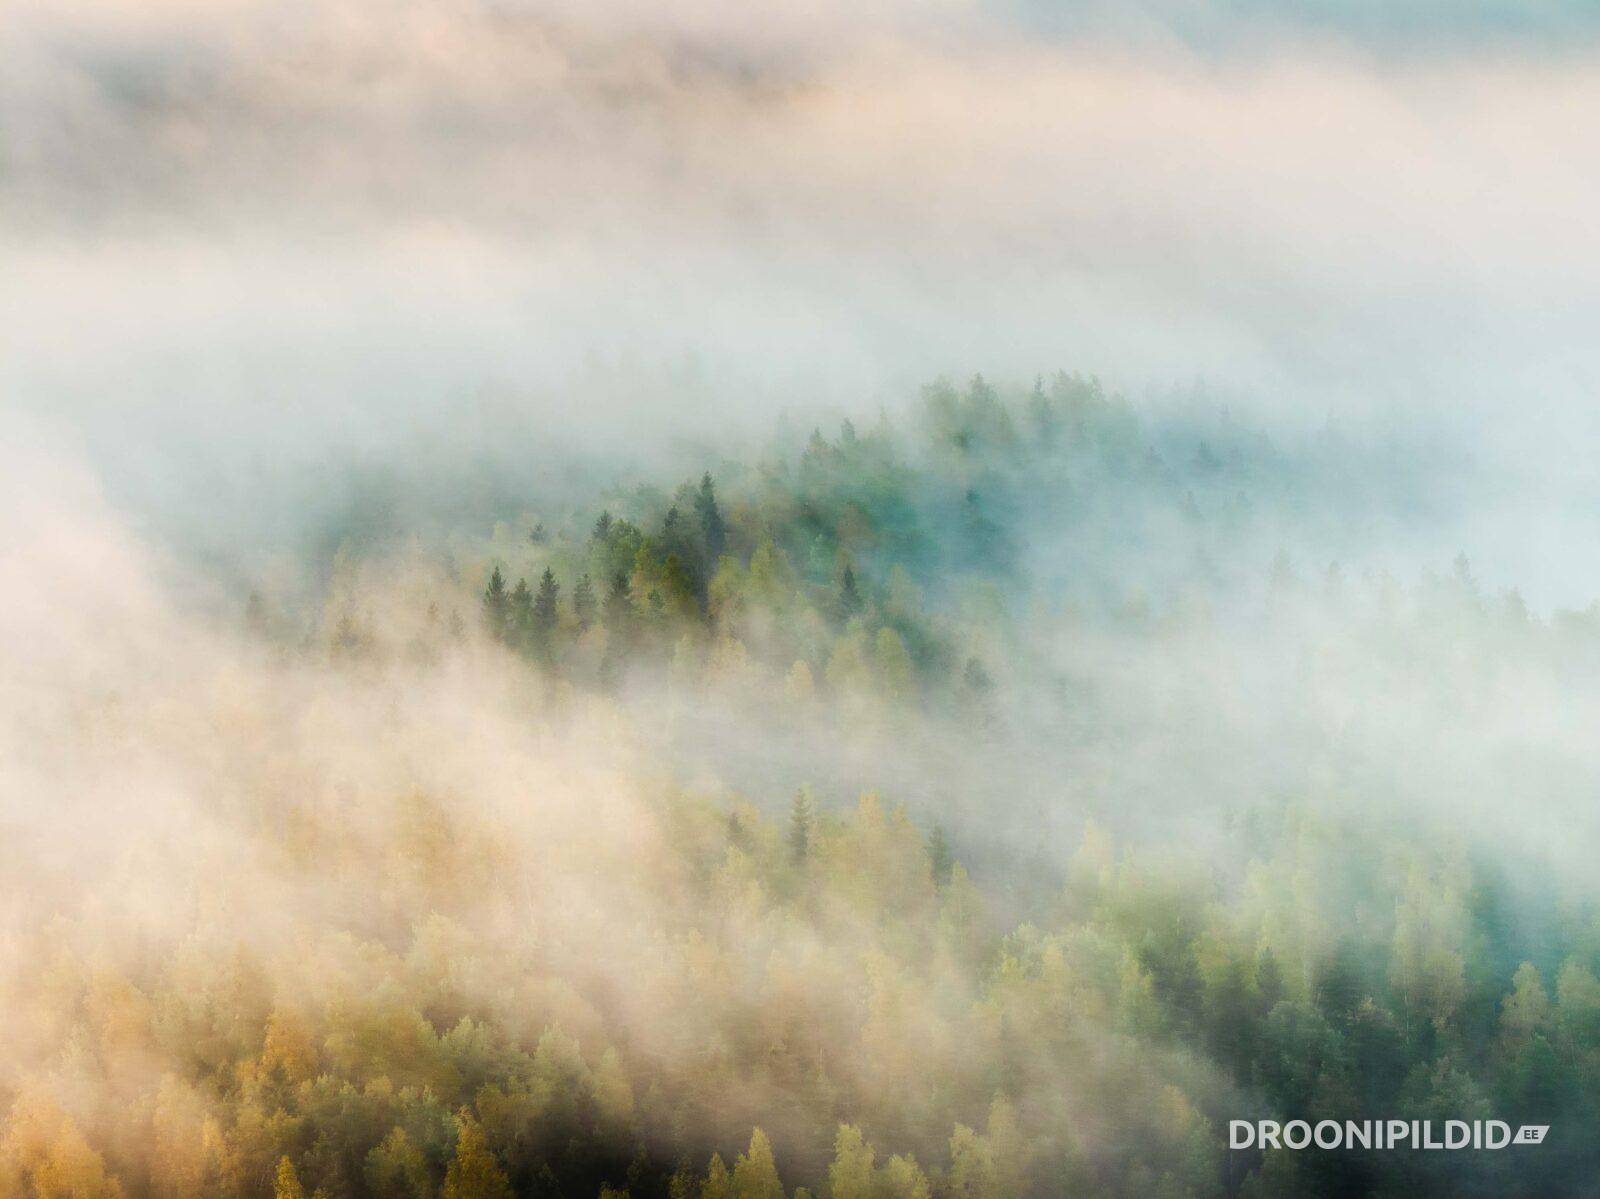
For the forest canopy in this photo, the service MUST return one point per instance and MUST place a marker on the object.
(990, 802)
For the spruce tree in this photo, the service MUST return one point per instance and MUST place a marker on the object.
(755, 1175)
(801, 819)
(679, 582)
(712, 526)
(544, 609)
(519, 616)
(583, 604)
(496, 606)
(618, 615)
(619, 612)
(847, 602)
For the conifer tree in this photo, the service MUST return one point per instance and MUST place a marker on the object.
(718, 1183)
(851, 1174)
(679, 582)
(801, 818)
(712, 526)
(897, 674)
(519, 615)
(618, 613)
(496, 605)
(397, 1167)
(755, 1175)
(583, 603)
(847, 600)
(544, 609)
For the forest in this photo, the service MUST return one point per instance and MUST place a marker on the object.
(992, 800)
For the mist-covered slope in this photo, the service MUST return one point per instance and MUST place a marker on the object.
(992, 802)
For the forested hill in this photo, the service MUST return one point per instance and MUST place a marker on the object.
(1054, 499)
(1046, 594)
(1022, 615)
(990, 804)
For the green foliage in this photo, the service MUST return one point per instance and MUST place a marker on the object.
(496, 605)
(583, 603)
(397, 1167)
(545, 611)
(801, 820)
(755, 1175)
(908, 1025)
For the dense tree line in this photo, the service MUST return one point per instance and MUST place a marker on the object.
(1099, 1050)
(845, 1003)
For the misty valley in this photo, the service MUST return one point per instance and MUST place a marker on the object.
(994, 798)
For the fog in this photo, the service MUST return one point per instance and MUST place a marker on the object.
(247, 240)
(1246, 671)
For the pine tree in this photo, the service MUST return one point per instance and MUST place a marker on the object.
(972, 1166)
(619, 611)
(801, 819)
(620, 620)
(583, 604)
(679, 582)
(519, 615)
(397, 1167)
(718, 1183)
(755, 1175)
(544, 609)
(712, 526)
(847, 601)
(851, 1174)
(496, 606)
(602, 527)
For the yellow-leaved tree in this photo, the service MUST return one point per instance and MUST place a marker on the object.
(474, 1173)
